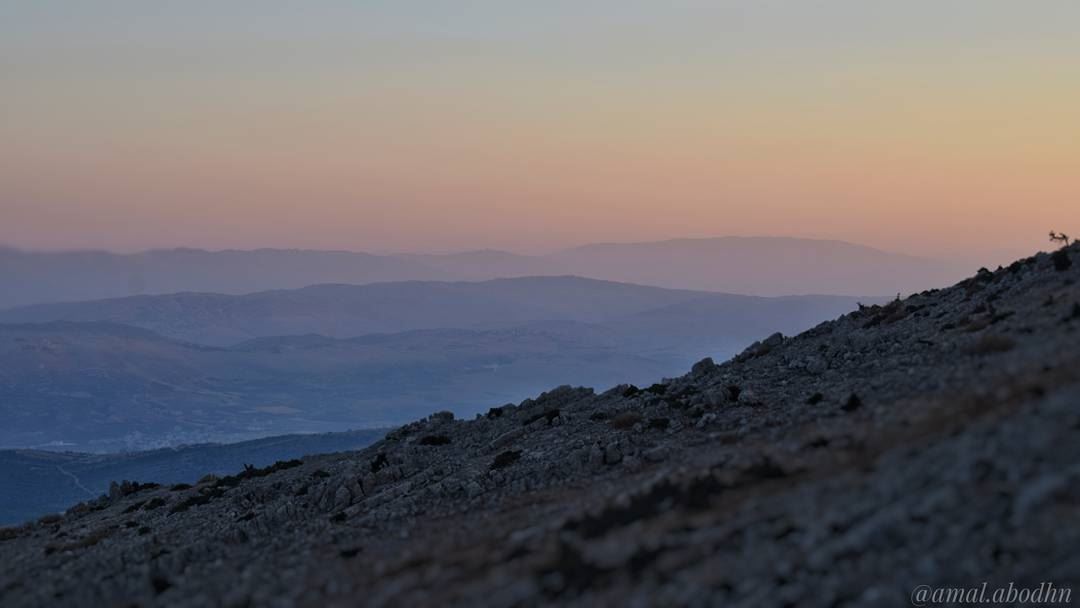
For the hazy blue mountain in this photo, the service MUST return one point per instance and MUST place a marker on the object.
(34, 277)
(761, 266)
(343, 311)
(755, 266)
(35, 482)
(104, 386)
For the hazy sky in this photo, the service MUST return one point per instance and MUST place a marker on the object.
(914, 126)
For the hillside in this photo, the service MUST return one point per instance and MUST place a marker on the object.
(925, 442)
(35, 483)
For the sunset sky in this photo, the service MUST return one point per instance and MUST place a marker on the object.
(917, 126)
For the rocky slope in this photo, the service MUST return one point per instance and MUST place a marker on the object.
(932, 441)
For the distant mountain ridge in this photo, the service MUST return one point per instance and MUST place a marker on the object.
(767, 266)
(159, 370)
(344, 311)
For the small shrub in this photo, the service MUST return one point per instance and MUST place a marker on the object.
(599, 416)
(251, 472)
(1075, 314)
(549, 414)
(380, 461)
(659, 423)
(1061, 260)
(8, 533)
(180, 487)
(734, 391)
(134, 507)
(625, 420)
(320, 474)
(197, 500)
(657, 389)
(993, 343)
(631, 391)
(815, 399)
(143, 531)
(495, 412)
(51, 518)
(160, 584)
(853, 403)
(434, 440)
(154, 503)
(505, 459)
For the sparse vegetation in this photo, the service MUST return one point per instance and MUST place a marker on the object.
(853, 403)
(434, 440)
(154, 503)
(550, 415)
(1060, 237)
(251, 472)
(1061, 260)
(505, 459)
(992, 343)
(51, 518)
(625, 420)
(379, 462)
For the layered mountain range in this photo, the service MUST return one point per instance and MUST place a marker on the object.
(150, 371)
(928, 441)
(746, 265)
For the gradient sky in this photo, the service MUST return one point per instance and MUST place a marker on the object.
(918, 126)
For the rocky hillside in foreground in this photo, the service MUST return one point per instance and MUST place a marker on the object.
(932, 441)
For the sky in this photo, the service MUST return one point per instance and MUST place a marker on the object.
(937, 127)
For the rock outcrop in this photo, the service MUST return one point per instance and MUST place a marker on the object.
(931, 441)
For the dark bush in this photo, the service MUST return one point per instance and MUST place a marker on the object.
(154, 503)
(320, 474)
(505, 459)
(853, 403)
(251, 472)
(134, 507)
(180, 486)
(1061, 260)
(631, 391)
(380, 461)
(625, 420)
(549, 414)
(657, 389)
(434, 440)
(495, 412)
(197, 500)
(992, 343)
(51, 518)
(815, 399)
